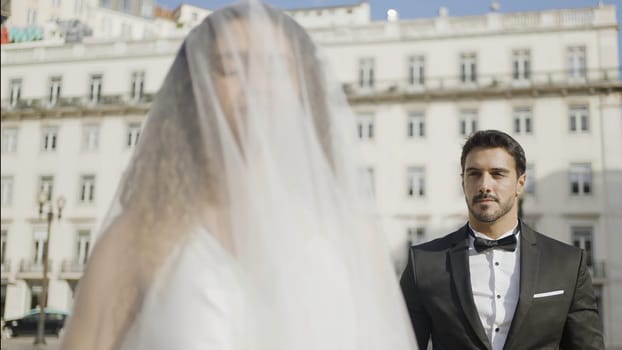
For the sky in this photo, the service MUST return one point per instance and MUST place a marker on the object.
(409, 9)
(415, 8)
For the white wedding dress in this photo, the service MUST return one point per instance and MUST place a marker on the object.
(201, 306)
(201, 300)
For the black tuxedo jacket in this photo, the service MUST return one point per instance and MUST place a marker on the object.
(437, 288)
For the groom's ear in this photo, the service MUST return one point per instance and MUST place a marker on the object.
(520, 184)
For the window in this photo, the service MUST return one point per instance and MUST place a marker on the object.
(126, 29)
(598, 296)
(366, 72)
(104, 3)
(138, 84)
(15, 90)
(106, 24)
(521, 65)
(35, 296)
(127, 5)
(530, 185)
(147, 10)
(368, 180)
(579, 119)
(580, 179)
(7, 190)
(3, 241)
(468, 67)
(468, 122)
(46, 185)
(522, 120)
(365, 126)
(90, 137)
(31, 17)
(582, 237)
(416, 70)
(87, 189)
(416, 234)
(95, 88)
(56, 3)
(83, 247)
(9, 140)
(39, 240)
(576, 63)
(416, 125)
(50, 138)
(78, 6)
(55, 87)
(416, 182)
(133, 133)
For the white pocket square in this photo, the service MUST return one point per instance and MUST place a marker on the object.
(548, 294)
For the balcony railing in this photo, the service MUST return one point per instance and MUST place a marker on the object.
(494, 83)
(598, 270)
(507, 83)
(76, 102)
(5, 266)
(31, 266)
(72, 266)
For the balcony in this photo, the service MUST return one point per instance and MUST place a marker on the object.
(29, 265)
(5, 267)
(76, 106)
(494, 85)
(30, 269)
(72, 269)
(502, 85)
(598, 271)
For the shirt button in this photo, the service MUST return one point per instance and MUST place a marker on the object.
(498, 296)
(497, 329)
(497, 263)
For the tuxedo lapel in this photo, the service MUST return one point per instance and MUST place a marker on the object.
(459, 260)
(529, 269)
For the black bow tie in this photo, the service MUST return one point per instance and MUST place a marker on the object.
(506, 243)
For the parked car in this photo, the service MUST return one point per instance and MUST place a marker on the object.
(27, 324)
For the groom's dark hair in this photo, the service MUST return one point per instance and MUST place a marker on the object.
(495, 139)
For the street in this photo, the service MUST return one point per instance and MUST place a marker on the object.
(26, 343)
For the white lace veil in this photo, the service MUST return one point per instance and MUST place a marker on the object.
(251, 139)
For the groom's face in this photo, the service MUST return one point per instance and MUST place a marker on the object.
(252, 61)
(491, 184)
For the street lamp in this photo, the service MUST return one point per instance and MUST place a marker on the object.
(45, 203)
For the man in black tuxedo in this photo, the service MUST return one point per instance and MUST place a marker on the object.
(496, 283)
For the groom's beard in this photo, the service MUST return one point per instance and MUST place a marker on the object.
(489, 214)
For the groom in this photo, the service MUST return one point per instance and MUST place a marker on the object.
(496, 283)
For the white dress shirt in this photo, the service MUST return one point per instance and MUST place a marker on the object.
(495, 279)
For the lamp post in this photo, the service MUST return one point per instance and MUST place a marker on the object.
(45, 203)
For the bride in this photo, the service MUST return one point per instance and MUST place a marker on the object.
(240, 222)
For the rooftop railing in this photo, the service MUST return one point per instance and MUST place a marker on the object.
(470, 25)
(442, 26)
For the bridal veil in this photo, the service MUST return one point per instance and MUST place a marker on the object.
(250, 139)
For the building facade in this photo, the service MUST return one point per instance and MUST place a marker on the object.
(72, 113)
